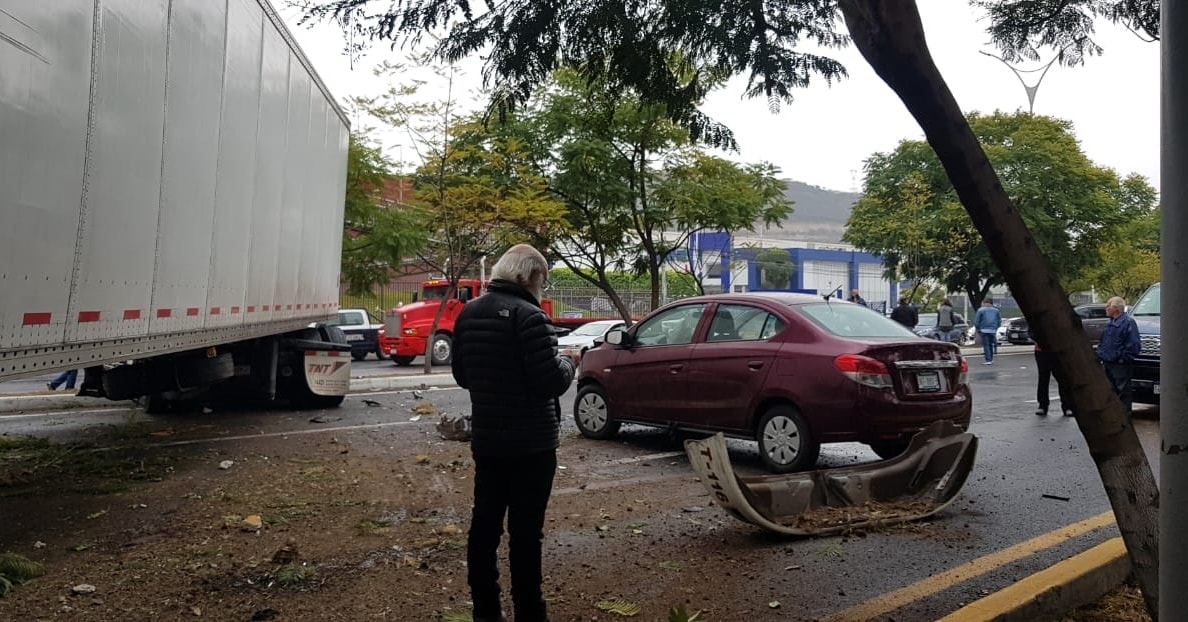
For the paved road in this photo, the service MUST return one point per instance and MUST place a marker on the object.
(1034, 497)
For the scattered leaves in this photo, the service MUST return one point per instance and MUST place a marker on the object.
(619, 606)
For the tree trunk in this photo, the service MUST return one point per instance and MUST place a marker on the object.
(890, 36)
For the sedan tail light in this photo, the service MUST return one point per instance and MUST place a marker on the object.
(963, 372)
(864, 370)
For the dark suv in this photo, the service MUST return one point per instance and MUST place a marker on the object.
(1146, 367)
(1093, 321)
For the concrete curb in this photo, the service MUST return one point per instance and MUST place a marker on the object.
(1050, 593)
(367, 384)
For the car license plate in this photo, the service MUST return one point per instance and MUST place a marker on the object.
(354, 337)
(1014, 335)
(1156, 388)
(927, 381)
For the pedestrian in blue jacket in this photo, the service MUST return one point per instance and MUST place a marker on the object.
(1118, 347)
(986, 322)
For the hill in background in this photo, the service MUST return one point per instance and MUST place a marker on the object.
(818, 214)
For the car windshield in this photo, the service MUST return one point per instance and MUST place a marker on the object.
(350, 319)
(1149, 303)
(435, 293)
(590, 330)
(847, 320)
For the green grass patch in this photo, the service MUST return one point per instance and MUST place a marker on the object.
(372, 527)
(15, 570)
(294, 575)
(35, 465)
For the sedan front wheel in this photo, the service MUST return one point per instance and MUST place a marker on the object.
(592, 414)
(785, 443)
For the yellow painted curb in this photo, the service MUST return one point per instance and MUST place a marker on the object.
(1076, 581)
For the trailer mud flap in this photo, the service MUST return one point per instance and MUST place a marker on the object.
(917, 484)
(327, 373)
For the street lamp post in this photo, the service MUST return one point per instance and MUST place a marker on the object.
(1030, 89)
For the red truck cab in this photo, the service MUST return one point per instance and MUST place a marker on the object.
(407, 328)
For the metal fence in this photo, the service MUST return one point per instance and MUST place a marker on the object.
(567, 301)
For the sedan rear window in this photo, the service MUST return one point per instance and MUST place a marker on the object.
(849, 320)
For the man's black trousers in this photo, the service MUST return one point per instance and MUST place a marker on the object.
(519, 487)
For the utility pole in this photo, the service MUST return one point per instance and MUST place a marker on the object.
(1173, 426)
(1033, 89)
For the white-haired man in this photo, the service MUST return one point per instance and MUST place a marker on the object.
(1118, 347)
(506, 357)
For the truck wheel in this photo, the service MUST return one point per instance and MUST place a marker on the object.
(403, 361)
(443, 349)
(592, 414)
(296, 390)
(159, 404)
(785, 443)
(358, 356)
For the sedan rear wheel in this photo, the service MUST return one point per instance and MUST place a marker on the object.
(592, 414)
(785, 443)
(890, 449)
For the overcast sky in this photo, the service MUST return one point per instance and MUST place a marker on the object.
(824, 136)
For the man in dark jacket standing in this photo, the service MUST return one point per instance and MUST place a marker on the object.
(1117, 349)
(506, 356)
(905, 313)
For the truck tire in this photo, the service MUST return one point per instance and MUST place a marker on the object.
(442, 349)
(403, 361)
(297, 391)
(358, 356)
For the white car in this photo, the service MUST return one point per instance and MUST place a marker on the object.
(582, 338)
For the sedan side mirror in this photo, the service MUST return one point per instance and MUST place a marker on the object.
(617, 337)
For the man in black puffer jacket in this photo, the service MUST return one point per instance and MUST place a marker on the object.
(505, 354)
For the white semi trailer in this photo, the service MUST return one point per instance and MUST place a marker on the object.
(172, 175)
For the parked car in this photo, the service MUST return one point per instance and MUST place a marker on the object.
(1093, 320)
(362, 332)
(1146, 366)
(790, 371)
(575, 343)
(927, 326)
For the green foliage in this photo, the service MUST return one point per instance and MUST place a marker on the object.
(376, 237)
(634, 188)
(15, 570)
(775, 264)
(475, 190)
(679, 614)
(620, 44)
(372, 527)
(294, 575)
(1021, 28)
(909, 213)
(1129, 263)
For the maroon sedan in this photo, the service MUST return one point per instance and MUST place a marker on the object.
(791, 371)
